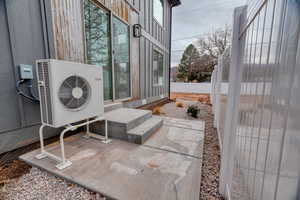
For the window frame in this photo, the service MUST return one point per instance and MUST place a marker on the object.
(158, 83)
(163, 13)
(113, 57)
(111, 14)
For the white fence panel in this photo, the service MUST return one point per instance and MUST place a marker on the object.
(198, 88)
(258, 109)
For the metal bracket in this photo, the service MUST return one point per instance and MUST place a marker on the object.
(104, 139)
(63, 162)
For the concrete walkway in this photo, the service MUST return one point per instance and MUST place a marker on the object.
(167, 166)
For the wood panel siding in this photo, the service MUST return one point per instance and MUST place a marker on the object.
(135, 58)
(120, 8)
(68, 30)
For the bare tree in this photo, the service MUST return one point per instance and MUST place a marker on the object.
(215, 44)
(199, 60)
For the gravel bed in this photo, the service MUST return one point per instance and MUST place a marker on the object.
(39, 185)
(211, 160)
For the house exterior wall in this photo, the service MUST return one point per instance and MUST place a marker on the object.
(68, 37)
(155, 37)
(22, 40)
(41, 29)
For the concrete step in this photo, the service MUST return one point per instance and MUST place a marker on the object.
(141, 133)
(112, 106)
(120, 121)
(128, 117)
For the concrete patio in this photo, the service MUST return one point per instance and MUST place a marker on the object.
(167, 166)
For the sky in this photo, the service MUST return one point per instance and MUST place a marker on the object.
(197, 18)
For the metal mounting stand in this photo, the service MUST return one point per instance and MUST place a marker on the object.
(63, 162)
(89, 134)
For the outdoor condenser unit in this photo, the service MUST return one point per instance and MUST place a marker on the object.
(69, 93)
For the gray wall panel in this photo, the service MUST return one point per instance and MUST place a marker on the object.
(27, 39)
(162, 35)
(142, 68)
(22, 137)
(22, 41)
(10, 117)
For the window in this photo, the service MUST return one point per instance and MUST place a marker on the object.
(121, 59)
(158, 68)
(98, 42)
(106, 35)
(158, 11)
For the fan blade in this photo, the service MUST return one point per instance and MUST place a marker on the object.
(76, 82)
(67, 84)
(71, 81)
(65, 93)
(83, 85)
(77, 103)
(70, 102)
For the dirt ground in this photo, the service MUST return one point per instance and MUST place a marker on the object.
(204, 98)
(11, 168)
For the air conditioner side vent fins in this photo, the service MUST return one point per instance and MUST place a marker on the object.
(44, 89)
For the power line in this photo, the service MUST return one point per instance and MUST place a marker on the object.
(180, 50)
(191, 37)
(224, 5)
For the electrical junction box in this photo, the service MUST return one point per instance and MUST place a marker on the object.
(25, 71)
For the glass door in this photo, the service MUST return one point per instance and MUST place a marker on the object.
(122, 84)
(98, 43)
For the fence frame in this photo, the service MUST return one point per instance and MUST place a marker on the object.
(235, 75)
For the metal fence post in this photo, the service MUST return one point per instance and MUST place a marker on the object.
(236, 67)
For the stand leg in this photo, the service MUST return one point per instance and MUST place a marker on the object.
(87, 136)
(65, 163)
(106, 140)
(42, 154)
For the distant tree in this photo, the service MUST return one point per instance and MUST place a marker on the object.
(174, 71)
(185, 68)
(214, 45)
(199, 60)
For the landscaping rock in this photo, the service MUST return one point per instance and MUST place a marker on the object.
(39, 185)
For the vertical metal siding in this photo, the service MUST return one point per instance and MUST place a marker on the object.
(23, 39)
(162, 35)
(9, 101)
(27, 45)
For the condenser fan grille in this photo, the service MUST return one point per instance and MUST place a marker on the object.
(74, 92)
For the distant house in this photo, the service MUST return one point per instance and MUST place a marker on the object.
(173, 76)
(129, 39)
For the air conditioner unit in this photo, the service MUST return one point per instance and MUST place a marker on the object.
(69, 92)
